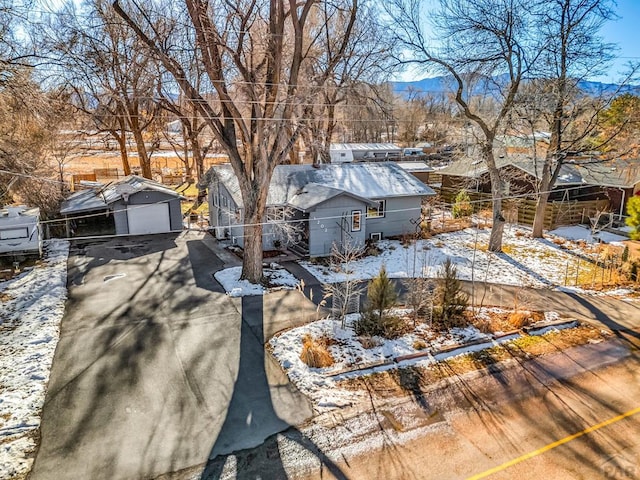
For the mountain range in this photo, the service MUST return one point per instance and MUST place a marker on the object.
(442, 84)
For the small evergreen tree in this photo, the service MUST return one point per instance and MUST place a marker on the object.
(462, 205)
(633, 220)
(452, 301)
(625, 254)
(381, 296)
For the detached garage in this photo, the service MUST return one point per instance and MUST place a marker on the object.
(130, 206)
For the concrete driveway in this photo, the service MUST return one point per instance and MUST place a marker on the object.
(157, 370)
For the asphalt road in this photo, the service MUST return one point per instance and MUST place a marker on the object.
(157, 369)
(583, 427)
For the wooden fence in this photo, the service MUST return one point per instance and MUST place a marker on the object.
(571, 212)
(106, 172)
(76, 178)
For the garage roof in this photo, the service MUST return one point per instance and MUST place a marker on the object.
(100, 197)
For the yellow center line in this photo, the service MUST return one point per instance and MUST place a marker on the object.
(553, 445)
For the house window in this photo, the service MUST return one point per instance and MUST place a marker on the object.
(356, 217)
(14, 233)
(224, 201)
(375, 236)
(377, 211)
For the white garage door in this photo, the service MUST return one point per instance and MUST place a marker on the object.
(152, 218)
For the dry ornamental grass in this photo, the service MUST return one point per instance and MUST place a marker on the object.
(315, 353)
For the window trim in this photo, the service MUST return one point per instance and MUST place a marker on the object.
(378, 236)
(381, 211)
(354, 214)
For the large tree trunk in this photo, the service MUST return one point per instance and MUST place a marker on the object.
(543, 198)
(143, 157)
(122, 146)
(497, 191)
(252, 257)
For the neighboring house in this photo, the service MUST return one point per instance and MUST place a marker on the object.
(20, 231)
(363, 152)
(333, 203)
(520, 175)
(420, 170)
(129, 206)
(579, 181)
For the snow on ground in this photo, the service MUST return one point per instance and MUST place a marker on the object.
(348, 352)
(525, 261)
(352, 359)
(32, 307)
(580, 232)
(277, 276)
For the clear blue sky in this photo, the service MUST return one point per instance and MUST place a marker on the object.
(625, 33)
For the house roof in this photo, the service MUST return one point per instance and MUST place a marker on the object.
(418, 167)
(612, 173)
(313, 194)
(100, 197)
(365, 147)
(307, 185)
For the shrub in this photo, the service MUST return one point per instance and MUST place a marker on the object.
(451, 301)
(369, 324)
(369, 342)
(634, 270)
(462, 205)
(625, 254)
(633, 220)
(419, 345)
(314, 353)
(519, 319)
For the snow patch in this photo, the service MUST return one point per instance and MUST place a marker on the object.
(29, 331)
(277, 277)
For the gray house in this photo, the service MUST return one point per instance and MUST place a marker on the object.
(130, 206)
(20, 231)
(333, 203)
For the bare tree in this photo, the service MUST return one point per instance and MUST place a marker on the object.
(345, 295)
(485, 48)
(26, 132)
(572, 51)
(113, 75)
(359, 65)
(255, 55)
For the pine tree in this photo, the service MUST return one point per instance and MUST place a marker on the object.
(462, 205)
(452, 300)
(633, 220)
(381, 294)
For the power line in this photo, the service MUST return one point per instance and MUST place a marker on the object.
(243, 225)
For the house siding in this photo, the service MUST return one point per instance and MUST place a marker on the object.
(222, 213)
(142, 198)
(325, 221)
(399, 212)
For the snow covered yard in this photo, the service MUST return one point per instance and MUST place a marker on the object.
(355, 356)
(277, 277)
(32, 306)
(525, 261)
